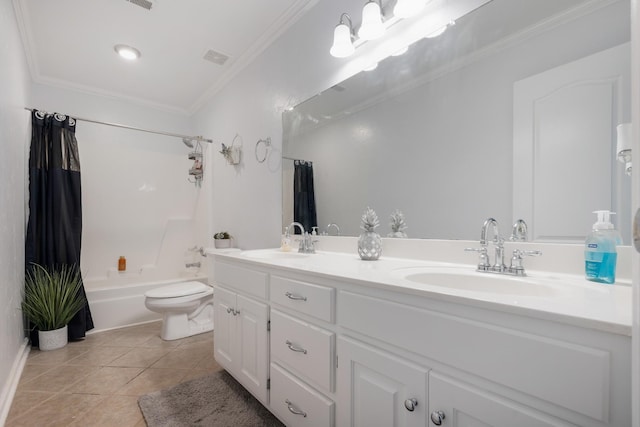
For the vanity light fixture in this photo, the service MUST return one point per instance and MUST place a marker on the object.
(623, 146)
(408, 8)
(343, 38)
(372, 26)
(127, 52)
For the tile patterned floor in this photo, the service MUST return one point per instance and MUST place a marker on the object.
(97, 381)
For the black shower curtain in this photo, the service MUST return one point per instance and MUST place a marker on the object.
(54, 229)
(304, 201)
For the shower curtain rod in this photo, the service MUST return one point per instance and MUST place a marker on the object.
(118, 125)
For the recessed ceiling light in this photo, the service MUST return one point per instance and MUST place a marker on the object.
(127, 52)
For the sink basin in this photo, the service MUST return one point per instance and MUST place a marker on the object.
(273, 254)
(456, 278)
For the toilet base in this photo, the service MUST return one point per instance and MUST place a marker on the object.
(182, 325)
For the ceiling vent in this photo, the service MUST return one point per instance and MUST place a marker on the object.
(215, 57)
(142, 3)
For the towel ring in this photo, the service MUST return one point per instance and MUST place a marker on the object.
(267, 146)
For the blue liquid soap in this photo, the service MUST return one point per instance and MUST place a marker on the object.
(600, 254)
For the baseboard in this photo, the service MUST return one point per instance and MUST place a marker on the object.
(9, 389)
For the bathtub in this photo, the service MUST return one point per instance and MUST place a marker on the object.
(118, 300)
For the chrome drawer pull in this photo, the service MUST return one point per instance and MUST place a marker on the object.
(294, 297)
(294, 410)
(294, 348)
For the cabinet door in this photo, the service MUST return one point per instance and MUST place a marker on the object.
(376, 388)
(253, 345)
(466, 406)
(224, 320)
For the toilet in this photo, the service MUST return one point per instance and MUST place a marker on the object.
(186, 308)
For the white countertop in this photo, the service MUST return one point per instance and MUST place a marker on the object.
(567, 298)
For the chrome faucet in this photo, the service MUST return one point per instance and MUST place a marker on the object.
(333, 224)
(498, 243)
(519, 233)
(306, 242)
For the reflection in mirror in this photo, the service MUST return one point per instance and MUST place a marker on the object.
(510, 114)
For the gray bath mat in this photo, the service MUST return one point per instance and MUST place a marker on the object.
(216, 400)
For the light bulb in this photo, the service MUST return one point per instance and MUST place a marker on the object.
(127, 52)
(371, 27)
(407, 8)
(342, 44)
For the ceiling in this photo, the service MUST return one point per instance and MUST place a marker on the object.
(70, 44)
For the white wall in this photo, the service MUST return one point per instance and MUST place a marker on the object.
(246, 199)
(14, 130)
(137, 201)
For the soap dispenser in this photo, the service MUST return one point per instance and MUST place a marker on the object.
(600, 252)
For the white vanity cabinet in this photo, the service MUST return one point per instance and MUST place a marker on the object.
(346, 352)
(484, 368)
(241, 340)
(302, 351)
(376, 388)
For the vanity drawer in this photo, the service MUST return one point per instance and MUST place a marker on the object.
(249, 281)
(307, 298)
(296, 403)
(529, 363)
(304, 348)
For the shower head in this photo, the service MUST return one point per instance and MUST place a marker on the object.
(188, 142)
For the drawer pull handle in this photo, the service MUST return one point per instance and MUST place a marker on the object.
(411, 404)
(295, 348)
(437, 417)
(295, 297)
(232, 311)
(294, 410)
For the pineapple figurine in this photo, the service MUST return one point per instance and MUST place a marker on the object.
(370, 242)
(397, 225)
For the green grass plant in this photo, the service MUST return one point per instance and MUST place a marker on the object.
(52, 298)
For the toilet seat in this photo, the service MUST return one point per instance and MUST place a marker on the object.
(177, 290)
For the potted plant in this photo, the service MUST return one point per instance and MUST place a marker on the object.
(222, 239)
(51, 299)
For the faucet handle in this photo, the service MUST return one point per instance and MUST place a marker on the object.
(483, 257)
(516, 261)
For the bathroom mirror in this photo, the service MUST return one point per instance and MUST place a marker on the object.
(490, 119)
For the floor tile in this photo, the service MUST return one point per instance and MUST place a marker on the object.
(106, 380)
(116, 411)
(26, 401)
(152, 380)
(32, 371)
(57, 379)
(180, 359)
(139, 357)
(98, 356)
(61, 410)
(97, 381)
(55, 357)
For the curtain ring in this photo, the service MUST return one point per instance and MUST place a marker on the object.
(267, 145)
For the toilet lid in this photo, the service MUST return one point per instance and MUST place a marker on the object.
(181, 289)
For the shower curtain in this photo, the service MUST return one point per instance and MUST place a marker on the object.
(304, 201)
(54, 228)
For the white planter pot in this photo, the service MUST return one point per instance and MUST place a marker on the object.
(222, 243)
(52, 340)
